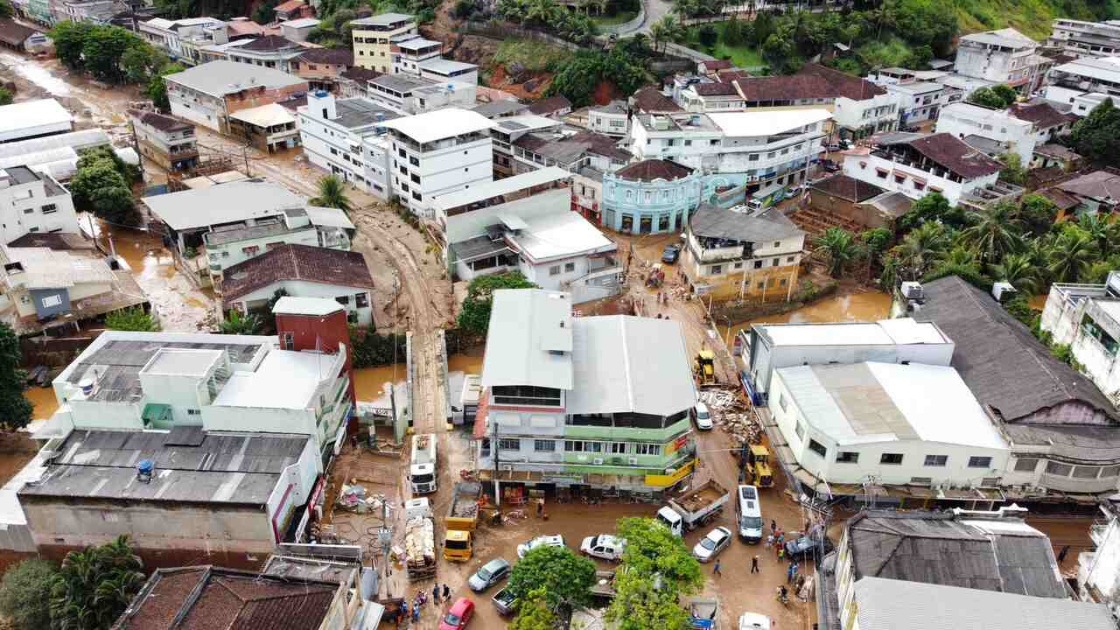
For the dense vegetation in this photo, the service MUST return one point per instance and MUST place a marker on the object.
(95, 585)
(372, 349)
(1097, 136)
(132, 319)
(103, 185)
(15, 409)
(474, 317)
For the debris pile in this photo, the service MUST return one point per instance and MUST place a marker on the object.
(729, 412)
(419, 540)
(353, 498)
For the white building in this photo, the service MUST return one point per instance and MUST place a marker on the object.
(411, 94)
(438, 153)
(893, 424)
(33, 119)
(33, 202)
(1004, 56)
(347, 137)
(1085, 39)
(56, 154)
(919, 101)
(1090, 78)
(498, 192)
(916, 165)
(612, 119)
(964, 119)
(270, 51)
(181, 39)
(1087, 319)
(207, 94)
(1098, 573)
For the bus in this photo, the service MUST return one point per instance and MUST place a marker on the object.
(748, 513)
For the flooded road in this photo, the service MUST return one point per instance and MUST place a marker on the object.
(35, 74)
(863, 306)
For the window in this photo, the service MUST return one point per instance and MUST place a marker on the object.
(343, 299)
(758, 264)
(818, 448)
(51, 300)
(569, 267)
(847, 457)
(936, 460)
(789, 260)
(49, 208)
(799, 429)
(893, 459)
(361, 300)
(717, 269)
(544, 446)
(1110, 471)
(28, 210)
(979, 462)
(1060, 470)
(194, 412)
(1086, 472)
(554, 270)
(647, 449)
(1026, 464)
(287, 341)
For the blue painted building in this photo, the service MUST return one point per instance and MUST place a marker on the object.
(650, 197)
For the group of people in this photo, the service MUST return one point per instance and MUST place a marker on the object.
(416, 609)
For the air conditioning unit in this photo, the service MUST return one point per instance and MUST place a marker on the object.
(633, 461)
(505, 467)
(598, 461)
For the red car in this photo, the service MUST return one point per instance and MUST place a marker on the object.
(458, 616)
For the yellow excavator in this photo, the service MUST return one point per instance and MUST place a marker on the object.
(758, 466)
(705, 367)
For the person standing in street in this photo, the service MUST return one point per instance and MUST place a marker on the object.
(754, 565)
(446, 593)
(435, 593)
(716, 571)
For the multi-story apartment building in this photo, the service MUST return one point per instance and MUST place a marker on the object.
(735, 253)
(207, 94)
(411, 94)
(918, 101)
(1085, 39)
(181, 39)
(760, 151)
(272, 51)
(323, 67)
(167, 141)
(916, 165)
(408, 54)
(33, 202)
(650, 197)
(507, 131)
(1004, 56)
(374, 36)
(1088, 78)
(580, 402)
(1011, 134)
(437, 153)
(1086, 317)
(348, 138)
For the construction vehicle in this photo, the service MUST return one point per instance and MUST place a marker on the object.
(461, 520)
(419, 540)
(757, 466)
(693, 508)
(705, 368)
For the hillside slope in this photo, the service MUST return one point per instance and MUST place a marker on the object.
(1031, 17)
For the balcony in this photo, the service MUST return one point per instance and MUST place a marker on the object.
(616, 433)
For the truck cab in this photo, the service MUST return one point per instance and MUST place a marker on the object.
(458, 547)
(422, 467)
(668, 517)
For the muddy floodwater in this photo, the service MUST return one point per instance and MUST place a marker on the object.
(867, 306)
(369, 383)
(43, 399)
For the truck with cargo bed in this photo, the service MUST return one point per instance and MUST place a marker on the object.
(419, 540)
(694, 507)
(461, 520)
(422, 468)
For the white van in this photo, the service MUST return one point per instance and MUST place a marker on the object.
(748, 512)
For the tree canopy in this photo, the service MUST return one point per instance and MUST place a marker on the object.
(15, 409)
(578, 77)
(995, 97)
(95, 585)
(534, 613)
(134, 319)
(106, 53)
(25, 594)
(565, 578)
(656, 570)
(474, 317)
(332, 193)
(1097, 136)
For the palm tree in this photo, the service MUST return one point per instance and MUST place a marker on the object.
(1071, 255)
(841, 247)
(663, 31)
(237, 323)
(1020, 271)
(992, 234)
(921, 248)
(1102, 230)
(332, 194)
(888, 279)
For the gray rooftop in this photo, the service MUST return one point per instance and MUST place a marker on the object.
(384, 19)
(223, 203)
(712, 222)
(401, 82)
(504, 107)
(529, 341)
(446, 66)
(235, 233)
(993, 554)
(354, 113)
(190, 466)
(478, 247)
(222, 77)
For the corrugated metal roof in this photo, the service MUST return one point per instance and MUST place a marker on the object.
(529, 341)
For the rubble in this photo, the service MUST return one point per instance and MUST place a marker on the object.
(733, 415)
(352, 498)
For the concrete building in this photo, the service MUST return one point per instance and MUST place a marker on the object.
(88, 11)
(1098, 572)
(556, 145)
(1084, 82)
(918, 101)
(410, 94)
(572, 403)
(438, 153)
(841, 201)
(612, 119)
(735, 253)
(56, 155)
(269, 128)
(890, 423)
(1078, 38)
(587, 194)
(1004, 56)
(373, 38)
(541, 237)
(1095, 192)
(499, 192)
(323, 67)
(168, 142)
(181, 40)
(964, 119)
(298, 29)
(32, 202)
(293, 10)
(271, 51)
(1063, 432)
(348, 138)
(301, 271)
(1087, 319)
(33, 119)
(209, 93)
(650, 197)
(916, 165)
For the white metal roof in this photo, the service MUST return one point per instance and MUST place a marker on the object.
(44, 268)
(968, 111)
(865, 403)
(1105, 68)
(222, 203)
(529, 341)
(498, 187)
(766, 123)
(383, 19)
(446, 66)
(222, 77)
(1008, 37)
(886, 332)
(289, 305)
(18, 116)
(563, 235)
(442, 123)
(265, 115)
(285, 379)
(328, 217)
(884, 604)
(630, 364)
(300, 23)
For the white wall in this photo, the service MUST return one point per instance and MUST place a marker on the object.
(964, 120)
(303, 288)
(249, 419)
(230, 254)
(26, 208)
(864, 168)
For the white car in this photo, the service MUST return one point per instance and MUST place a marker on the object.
(603, 546)
(539, 541)
(710, 545)
(754, 621)
(703, 417)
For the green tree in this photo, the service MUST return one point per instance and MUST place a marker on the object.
(1020, 271)
(664, 31)
(1071, 254)
(920, 249)
(876, 240)
(565, 578)
(933, 207)
(1102, 229)
(134, 319)
(992, 97)
(707, 36)
(97, 187)
(993, 233)
(777, 51)
(103, 51)
(157, 88)
(733, 34)
(15, 409)
(141, 62)
(332, 193)
(6, 9)
(237, 323)
(25, 594)
(69, 40)
(1035, 214)
(474, 317)
(1006, 93)
(5, 96)
(533, 612)
(1097, 136)
(657, 570)
(95, 585)
(1013, 171)
(840, 248)
(265, 13)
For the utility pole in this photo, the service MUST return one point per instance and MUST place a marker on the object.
(497, 484)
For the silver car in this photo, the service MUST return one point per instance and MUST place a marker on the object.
(490, 574)
(710, 545)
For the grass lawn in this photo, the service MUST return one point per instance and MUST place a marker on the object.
(742, 56)
(621, 17)
(533, 55)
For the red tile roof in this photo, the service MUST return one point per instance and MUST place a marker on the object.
(550, 105)
(330, 56)
(160, 121)
(813, 81)
(715, 89)
(846, 85)
(955, 155)
(1043, 115)
(716, 64)
(290, 5)
(650, 101)
(13, 33)
(296, 262)
(649, 170)
(848, 188)
(270, 43)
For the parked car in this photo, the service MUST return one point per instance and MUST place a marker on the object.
(835, 146)
(702, 416)
(830, 166)
(754, 621)
(539, 541)
(710, 545)
(489, 574)
(603, 546)
(671, 254)
(754, 205)
(458, 616)
(505, 602)
(806, 546)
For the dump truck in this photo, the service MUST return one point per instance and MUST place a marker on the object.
(703, 613)
(705, 367)
(694, 507)
(419, 540)
(758, 466)
(461, 520)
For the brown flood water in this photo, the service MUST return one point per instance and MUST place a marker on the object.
(867, 306)
(43, 399)
(369, 383)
